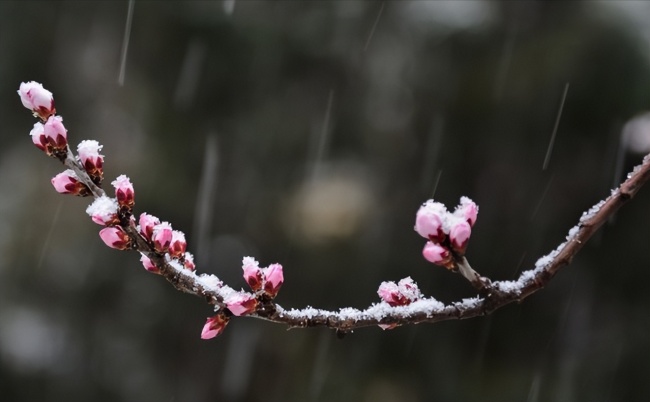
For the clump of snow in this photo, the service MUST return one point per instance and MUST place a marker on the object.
(103, 206)
(592, 211)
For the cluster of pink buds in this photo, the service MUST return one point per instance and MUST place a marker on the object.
(448, 233)
(164, 240)
(265, 281)
(402, 293)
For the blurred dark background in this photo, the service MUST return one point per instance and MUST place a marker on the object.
(308, 133)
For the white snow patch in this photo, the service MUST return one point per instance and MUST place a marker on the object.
(103, 207)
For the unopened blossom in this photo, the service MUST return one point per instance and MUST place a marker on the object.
(124, 191)
(459, 236)
(103, 211)
(429, 220)
(177, 245)
(437, 254)
(273, 279)
(240, 303)
(467, 210)
(91, 159)
(147, 223)
(67, 182)
(214, 326)
(252, 274)
(390, 293)
(37, 99)
(51, 137)
(115, 237)
(149, 265)
(162, 237)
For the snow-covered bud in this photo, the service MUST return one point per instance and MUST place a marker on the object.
(437, 254)
(124, 192)
(91, 159)
(390, 293)
(67, 182)
(178, 245)
(162, 237)
(147, 223)
(401, 294)
(240, 303)
(103, 211)
(467, 210)
(115, 237)
(56, 133)
(149, 265)
(252, 273)
(188, 262)
(429, 221)
(37, 99)
(459, 236)
(214, 326)
(38, 137)
(273, 279)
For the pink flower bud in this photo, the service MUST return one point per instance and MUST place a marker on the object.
(437, 254)
(124, 191)
(429, 220)
(459, 236)
(91, 159)
(178, 245)
(103, 211)
(115, 237)
(467, 210)
(162, 237)
(147, 223)
(149, 265)
(67, 182)
(55, 133)
(252, 274)
(38, 137)
(240, 303)
(273, 279)
(390, 293)
(388, 326)
(214, 326)
(36, 98)
(188, 262)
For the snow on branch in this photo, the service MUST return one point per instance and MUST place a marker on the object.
(163, 249)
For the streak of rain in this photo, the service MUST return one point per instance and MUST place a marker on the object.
(48, 238)
(321, 365)
(533, 393)
(238, 363)
(229, 6)
(125, 42)
(203, 210)
(505, 62)
(542, 198)
(374, 26)
(557, 123)
(431, 156)
(320, 140)
(190, 75)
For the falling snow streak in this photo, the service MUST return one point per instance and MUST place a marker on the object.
(374, 26)
(557, 123)
(48, 238)
(205, 199)
(542, 198)
(125, 42)
(322, 140)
